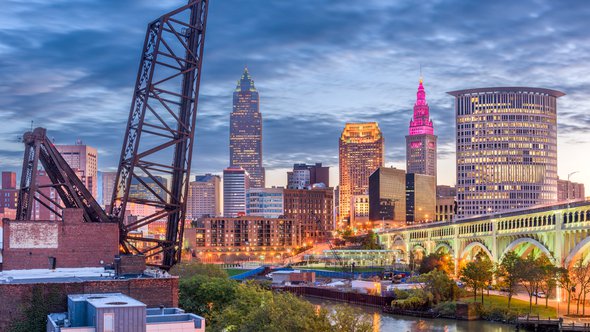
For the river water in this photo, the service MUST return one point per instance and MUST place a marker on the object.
(395, 323)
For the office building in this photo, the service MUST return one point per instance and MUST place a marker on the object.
(84, 160)
(8, 192)
(265, 202)
(359, 211)
(236, 182)
(304, 175)
(421, 141)
(506, 148)
(420, 198)
(245, 132)
(387, 196)
(445, 208)
(567, 190)
(361, 149)
(204, 197)
(313, 208)
(108, 186)
(446, 191)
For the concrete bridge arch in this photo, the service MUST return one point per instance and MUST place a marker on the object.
(577, 253)
(514, 244)
(476, 244)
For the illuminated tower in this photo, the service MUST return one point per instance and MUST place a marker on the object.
(361, 153)
(506, 148)
(245, 132)
(421, 141)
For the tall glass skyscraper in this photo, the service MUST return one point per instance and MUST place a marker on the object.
(361, 153)
(506, 148)
(245, 132)
(421, 141)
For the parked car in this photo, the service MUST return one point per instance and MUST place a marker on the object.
(540, 294)
(460, 284)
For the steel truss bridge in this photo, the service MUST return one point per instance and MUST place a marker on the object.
(561, 231)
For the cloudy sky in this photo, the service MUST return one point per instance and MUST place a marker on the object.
(70, 66)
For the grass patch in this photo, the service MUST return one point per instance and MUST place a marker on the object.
(233, 272)
(522, 307)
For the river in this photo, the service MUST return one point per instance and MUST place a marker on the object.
(395, 323)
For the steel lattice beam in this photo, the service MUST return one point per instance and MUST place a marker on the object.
(161, 126)
(71, 190)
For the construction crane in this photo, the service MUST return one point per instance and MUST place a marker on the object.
(158, 144)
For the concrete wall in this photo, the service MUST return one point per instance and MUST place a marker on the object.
(74, 243)
(14, 298)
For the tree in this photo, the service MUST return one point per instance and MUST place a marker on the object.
(565, 282)
(346, 318)
(507, 272)
(580, 275)
(477, 274)
(370, 241)
(548, 280)
(436, 261)
(529, 273)
(439, 285)
(206, 296)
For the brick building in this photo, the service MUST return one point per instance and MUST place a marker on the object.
(313, 208)
(243, 238)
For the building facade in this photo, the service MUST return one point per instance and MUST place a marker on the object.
(387, 196)
(83, 159)
(313, 209)
(8, 192)
(361, 149)
(204, 197)
(304, 175)
(236, 182)
(265, 202)
(567, 190)
(245, 132)
(421, 141)
(359, 211)
(445, 208)
(246, 238)
(420, 198)
(506, 148)
(108, 186)
(446, 191)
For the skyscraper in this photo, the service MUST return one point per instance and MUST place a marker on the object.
(506, 148)
(360, 154)
(421, 141)
(420, 198)
(387, 196)
(204, 197)
(83, 159)
(108, 185)
(236, 182)
(265, 202)
(245, 132)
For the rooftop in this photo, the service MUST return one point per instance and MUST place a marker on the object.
(554, 93)
(60, 275)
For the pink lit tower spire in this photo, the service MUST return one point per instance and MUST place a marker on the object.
(421, 141)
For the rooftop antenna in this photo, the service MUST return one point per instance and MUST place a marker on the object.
(421, 73)
(32, 122)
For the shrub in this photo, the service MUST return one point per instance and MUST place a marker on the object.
(446, 309)
(498, 314)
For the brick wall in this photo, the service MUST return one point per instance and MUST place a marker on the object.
(74, 243)
(153, 292)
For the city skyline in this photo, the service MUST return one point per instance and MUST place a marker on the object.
(304, 100)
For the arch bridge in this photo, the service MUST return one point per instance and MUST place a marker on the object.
(561, 231)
